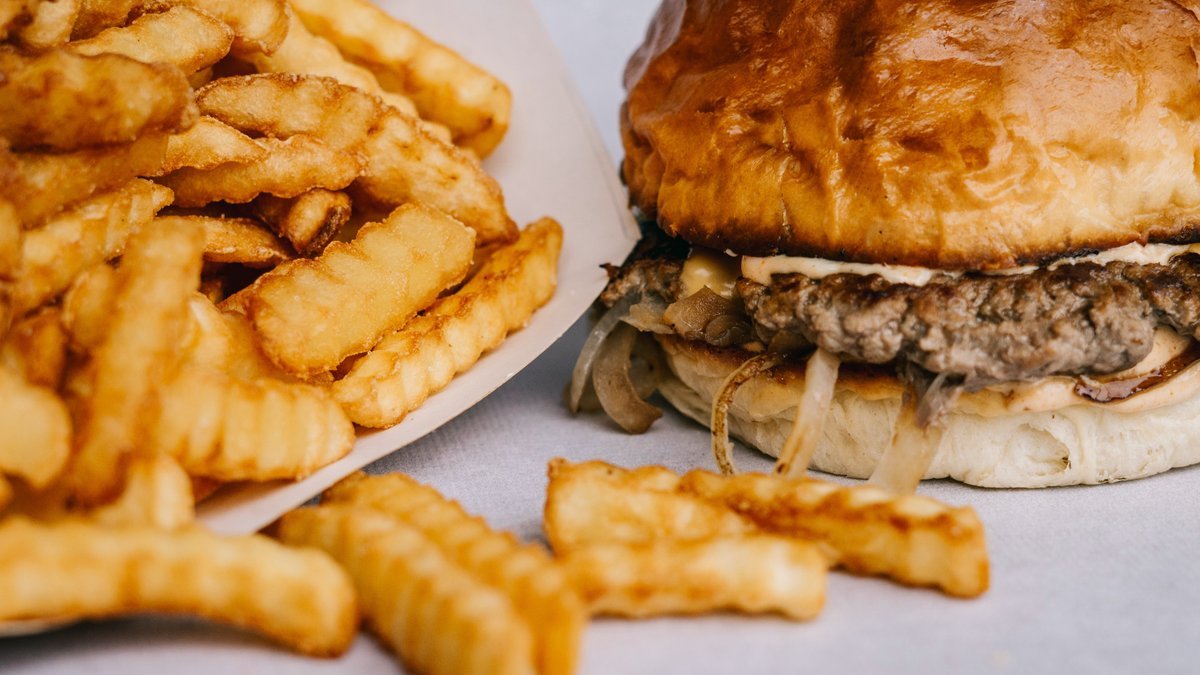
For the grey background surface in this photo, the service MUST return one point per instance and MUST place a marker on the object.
(1094, 579)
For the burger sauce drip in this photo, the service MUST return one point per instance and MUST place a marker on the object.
(1119, 390)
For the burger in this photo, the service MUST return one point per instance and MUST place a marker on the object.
(909, 239)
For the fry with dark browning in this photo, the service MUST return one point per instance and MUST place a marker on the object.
(287, 169)
(45, 183)
(404, 163)
(309, 221)
(753, 574)
(67, 101)
(36, 347)
(233, 429)
(400, 372)
(912, 539)
(208, 144)
(36, 441)
(534, 582)
(180, 36)
(434, 615)
(298, 598)
(284, 105)
(233, 240)
(159, 272)
(90, 232)
(313, 313)
(598, 503)
(445, 87)
(96, 15)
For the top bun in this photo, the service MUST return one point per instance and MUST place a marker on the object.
(971, 134)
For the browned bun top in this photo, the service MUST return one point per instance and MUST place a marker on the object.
(940, 133)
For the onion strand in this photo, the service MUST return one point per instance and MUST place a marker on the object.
(719, 422)
(820, 378)
(911, 451)
(591, 347)
(614, 387)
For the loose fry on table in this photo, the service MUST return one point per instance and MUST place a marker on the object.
(73, 570)
(754, 573)
(309, 221)
(233, 429)
(208, 144)
(67, 101)
(157, 493)
(88, 233)
(445, 87)
(288, 168)
(304, 53)
(404, 163)
(36, 441)
(36, 347)
(595, 503)
(912, 539)
(49, 24)
(159, 272)
(87, 305)
(400, 372)
(313, 313)
(436, 617)
(45, 183)
(233, 240)
(180, 36)
(283, 105)
(534, 582)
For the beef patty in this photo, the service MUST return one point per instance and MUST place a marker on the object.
(1081, 319)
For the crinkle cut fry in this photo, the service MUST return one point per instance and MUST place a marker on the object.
(912, 539)
(186, 38)
(597, 503)
(71, 569)
(36, 439)
(434, 615)
(532, 580)
(750, 573)
(400, 372)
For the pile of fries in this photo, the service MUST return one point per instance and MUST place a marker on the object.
(230, 230)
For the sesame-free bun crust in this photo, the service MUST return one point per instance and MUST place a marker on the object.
(939, 133)
(1068, 446)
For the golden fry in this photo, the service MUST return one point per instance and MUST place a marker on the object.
(67, 101)
(595, 503)
(157, 493)
(36, 347)
(225, 341)
(305, 54)
(180, 36)
(309, 221)
(283, 105)
(49, 24)
(45, 183)
(912, 539)
(87, 305)
(299, 598)
(756, 573)
(400, 372)
(10, 241)
(96, 15)
(289, 168)
(36, 441)
(534, 582)
(313, 313)
(404, 163)
(233, 240)
(259, 26)
(159, 272)
(435, 616)
(208, 144)
(445, 87)
(91, 232)
(231, 429)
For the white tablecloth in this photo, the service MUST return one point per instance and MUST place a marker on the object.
(1095, 579)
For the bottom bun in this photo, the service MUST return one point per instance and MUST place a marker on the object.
(1074, 445)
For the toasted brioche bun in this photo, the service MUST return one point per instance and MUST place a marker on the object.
(936, 133)
(982, 445)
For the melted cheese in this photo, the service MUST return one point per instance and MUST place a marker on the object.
(707, 268)
(760, 270)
